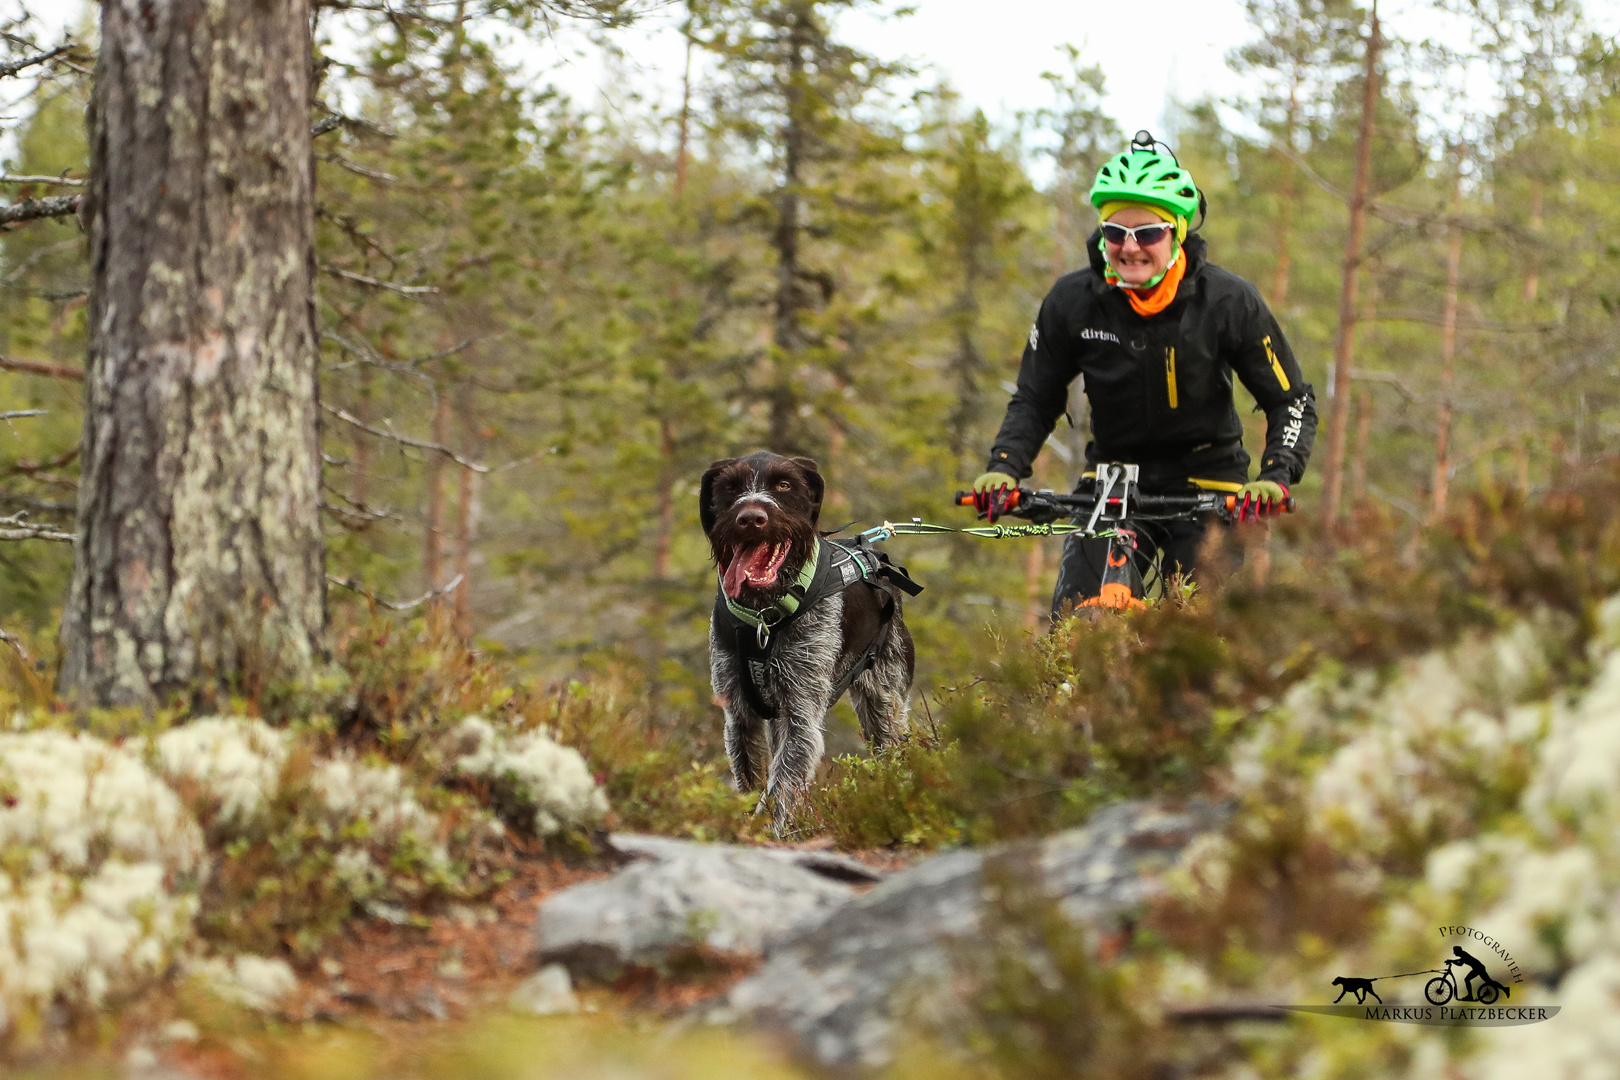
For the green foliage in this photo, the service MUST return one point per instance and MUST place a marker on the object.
(659, 774)
(1149, 703)
(899, 796)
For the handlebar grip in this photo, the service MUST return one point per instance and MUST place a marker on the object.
(1014, 497)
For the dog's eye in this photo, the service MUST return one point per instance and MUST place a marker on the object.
(784, 485)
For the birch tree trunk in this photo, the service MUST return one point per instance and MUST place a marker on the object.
(199, 567)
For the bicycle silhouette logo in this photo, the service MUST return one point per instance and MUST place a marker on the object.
(1440, 990)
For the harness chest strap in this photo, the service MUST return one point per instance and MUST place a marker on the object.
(823, 574)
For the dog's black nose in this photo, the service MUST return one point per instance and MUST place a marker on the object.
(752, 517)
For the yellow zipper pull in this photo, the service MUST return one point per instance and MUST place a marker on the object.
(1170, 374)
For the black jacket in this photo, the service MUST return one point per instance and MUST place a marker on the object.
(1160, 387)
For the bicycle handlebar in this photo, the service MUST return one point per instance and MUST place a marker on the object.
(1046, 506)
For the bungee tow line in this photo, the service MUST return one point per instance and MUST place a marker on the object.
(918, 527)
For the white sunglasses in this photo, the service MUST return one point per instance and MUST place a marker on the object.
(1144, 235)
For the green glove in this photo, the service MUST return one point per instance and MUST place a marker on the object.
(991, 480)
(1261, 499)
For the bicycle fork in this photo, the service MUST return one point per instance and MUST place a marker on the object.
(1121, 581)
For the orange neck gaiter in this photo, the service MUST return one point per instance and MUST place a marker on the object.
(1157, 300)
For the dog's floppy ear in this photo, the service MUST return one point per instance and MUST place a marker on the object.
(818, 486)
(706, 493)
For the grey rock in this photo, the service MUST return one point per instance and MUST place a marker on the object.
(548, 992)
(428, 1003)
(841, 986)
(676, 895)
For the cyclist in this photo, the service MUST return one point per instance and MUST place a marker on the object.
(1476, 970)
(1156, 331)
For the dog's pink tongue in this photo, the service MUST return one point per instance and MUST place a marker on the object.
(745, 560)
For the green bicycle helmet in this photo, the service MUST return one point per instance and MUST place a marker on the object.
(1143, 175)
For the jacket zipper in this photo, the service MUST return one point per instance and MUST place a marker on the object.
(1170, 374)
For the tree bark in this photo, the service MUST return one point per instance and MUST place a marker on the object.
(1532, 280)
(682, 152)
(468, 507)
(200, 567)
(433, 535)
(1344, 348)
(1285, 208)
(788, 333)
(1358, 465)
(1448, 355)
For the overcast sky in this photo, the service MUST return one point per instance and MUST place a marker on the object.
(1153, 52)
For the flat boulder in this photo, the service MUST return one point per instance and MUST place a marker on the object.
(678, 897)
(840, 986)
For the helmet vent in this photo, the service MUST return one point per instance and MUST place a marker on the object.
(1167, 176)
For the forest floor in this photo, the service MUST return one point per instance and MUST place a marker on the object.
(402, 984)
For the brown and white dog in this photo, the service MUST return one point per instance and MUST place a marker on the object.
(760, 513)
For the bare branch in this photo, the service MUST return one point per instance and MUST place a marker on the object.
(338, 120)
(18, 414)
(360, 510)
(67, 181)
(15, 66)
(1388, 377)
(52, 206)
(15, 528)
(16, 643)
(39, 367)
(403, 290)
(33, 260)
(359, 170)
(405, 440)
(403, 605)
(1226, 1014)
(33, 468)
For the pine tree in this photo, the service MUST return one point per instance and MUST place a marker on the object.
(200, 564)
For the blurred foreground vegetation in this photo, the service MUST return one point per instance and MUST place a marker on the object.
(1392, 725)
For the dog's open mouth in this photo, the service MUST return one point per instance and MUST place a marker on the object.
(755, 566)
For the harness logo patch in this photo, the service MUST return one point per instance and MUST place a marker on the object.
(1034, 337)
(1089, 334)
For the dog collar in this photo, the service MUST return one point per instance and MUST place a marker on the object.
(784, 608)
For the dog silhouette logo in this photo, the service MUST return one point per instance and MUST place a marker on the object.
(1362, 988)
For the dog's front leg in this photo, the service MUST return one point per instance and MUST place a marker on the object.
(802, 674)
(799, 743)
(748, 748)
(747, 743)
